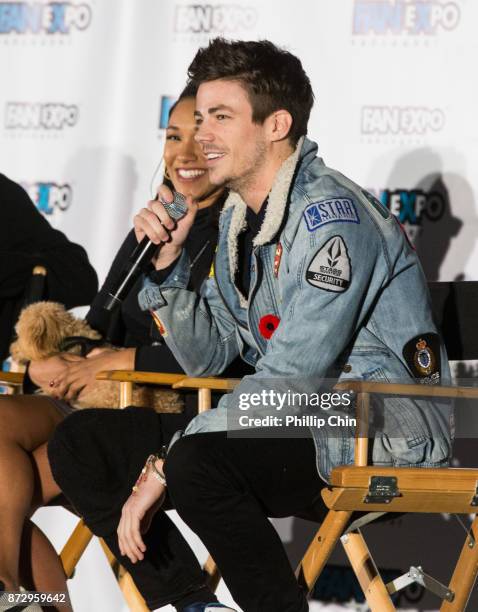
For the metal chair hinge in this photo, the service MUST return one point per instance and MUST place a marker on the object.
(381, 490)
(416, 575)
(474, 499)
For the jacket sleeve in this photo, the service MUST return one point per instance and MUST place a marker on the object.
(198, 329)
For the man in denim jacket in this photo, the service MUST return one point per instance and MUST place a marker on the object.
(314, 281)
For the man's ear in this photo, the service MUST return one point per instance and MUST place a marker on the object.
(279, 124)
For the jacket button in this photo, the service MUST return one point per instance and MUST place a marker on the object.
(347, 368)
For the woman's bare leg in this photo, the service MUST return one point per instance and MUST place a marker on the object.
(40, 566)
(26, 422)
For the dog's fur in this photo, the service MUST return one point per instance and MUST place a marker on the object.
(40, 330)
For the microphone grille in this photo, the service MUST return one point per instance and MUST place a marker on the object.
(177, 208)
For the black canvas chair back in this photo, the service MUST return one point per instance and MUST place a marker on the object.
(455, 309)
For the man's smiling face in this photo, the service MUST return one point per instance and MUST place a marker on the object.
(235, 147)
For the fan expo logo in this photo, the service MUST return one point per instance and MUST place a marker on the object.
(49, 197)
(203, 20)
(164, 109)
(407, 18)
(51, 18)
(412, 207)
(402, 121)
(51, 116)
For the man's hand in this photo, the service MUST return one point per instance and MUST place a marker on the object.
(136, 516)
(155, 223)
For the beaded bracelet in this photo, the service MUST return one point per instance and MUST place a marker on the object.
(150, 463)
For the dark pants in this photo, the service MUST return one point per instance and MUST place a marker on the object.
(96, 457)
(225, 488)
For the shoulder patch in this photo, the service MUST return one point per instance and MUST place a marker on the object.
(328, 211)
(422, 355)
(331, 269)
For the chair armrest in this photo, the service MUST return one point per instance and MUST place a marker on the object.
(363, 389)
(151, 378)
(176, 381)
(14, 379)
(213, 383)
(361, 386)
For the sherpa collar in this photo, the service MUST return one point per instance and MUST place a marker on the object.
(276, 207)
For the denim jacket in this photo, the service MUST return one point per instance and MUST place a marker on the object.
(336, 293)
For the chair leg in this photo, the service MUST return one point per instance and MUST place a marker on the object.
(365, 569)
(126, 394)
(321, 548)
(204, 399)
(213, 573)
(132, 596)
(74, 548)
(465, 573)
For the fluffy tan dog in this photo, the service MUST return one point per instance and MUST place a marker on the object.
(43, 326)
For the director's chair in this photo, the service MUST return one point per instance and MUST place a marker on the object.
(380, 490)
(81, 535)
(376, 491)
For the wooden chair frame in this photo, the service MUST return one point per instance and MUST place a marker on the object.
(424, 490)
(81, 536)
(402, 489)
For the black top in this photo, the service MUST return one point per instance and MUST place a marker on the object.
(28, 240)
(254, 222)
(129, 326)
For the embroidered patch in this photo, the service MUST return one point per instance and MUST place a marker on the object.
(422, 355)
(277, 258)
(328, 211)
(159, 324)
(267, 325)
(331, 268)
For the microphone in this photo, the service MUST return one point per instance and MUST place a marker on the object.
(142, 255)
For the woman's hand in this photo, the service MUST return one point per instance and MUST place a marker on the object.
(137, 514)
(43, 371)
(82, 372)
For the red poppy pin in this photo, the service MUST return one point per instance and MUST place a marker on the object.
(267, 325)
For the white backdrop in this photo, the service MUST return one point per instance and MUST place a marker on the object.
(84, 85)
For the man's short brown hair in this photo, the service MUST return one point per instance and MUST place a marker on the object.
(273, 78)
